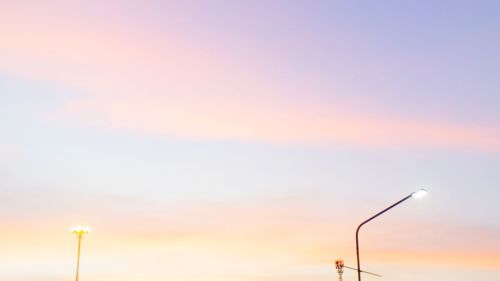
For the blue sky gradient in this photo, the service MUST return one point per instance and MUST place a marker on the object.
(245, 140)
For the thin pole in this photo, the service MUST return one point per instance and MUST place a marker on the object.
(362, 271)
(368, 220)
(80, 235)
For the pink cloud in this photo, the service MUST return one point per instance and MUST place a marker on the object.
(170, 87)
(208, 119)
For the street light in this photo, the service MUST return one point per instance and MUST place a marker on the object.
(417, 194)
(80, 231)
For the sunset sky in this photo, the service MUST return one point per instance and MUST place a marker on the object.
(246, 140)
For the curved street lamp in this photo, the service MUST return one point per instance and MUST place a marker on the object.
(80, 231)
(417, 194)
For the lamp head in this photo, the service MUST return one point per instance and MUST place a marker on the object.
(339, 264)
(80, 229)
(419, 193)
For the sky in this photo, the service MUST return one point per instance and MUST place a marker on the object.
(246, 140)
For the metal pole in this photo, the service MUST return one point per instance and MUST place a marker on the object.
(368, 220)
(80, 235)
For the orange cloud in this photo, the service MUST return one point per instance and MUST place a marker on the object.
(263, 235)
(458, 259)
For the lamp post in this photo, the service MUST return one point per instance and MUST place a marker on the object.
(417, 194)
(80, 231)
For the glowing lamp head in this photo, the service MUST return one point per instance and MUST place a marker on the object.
(79, 229)
(419, 193)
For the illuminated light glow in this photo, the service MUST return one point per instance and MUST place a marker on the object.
(80, 229)
(419, 194)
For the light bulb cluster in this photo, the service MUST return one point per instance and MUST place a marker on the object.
(80, 229)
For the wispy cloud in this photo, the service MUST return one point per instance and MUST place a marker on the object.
(169, 87)
(201, 119)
